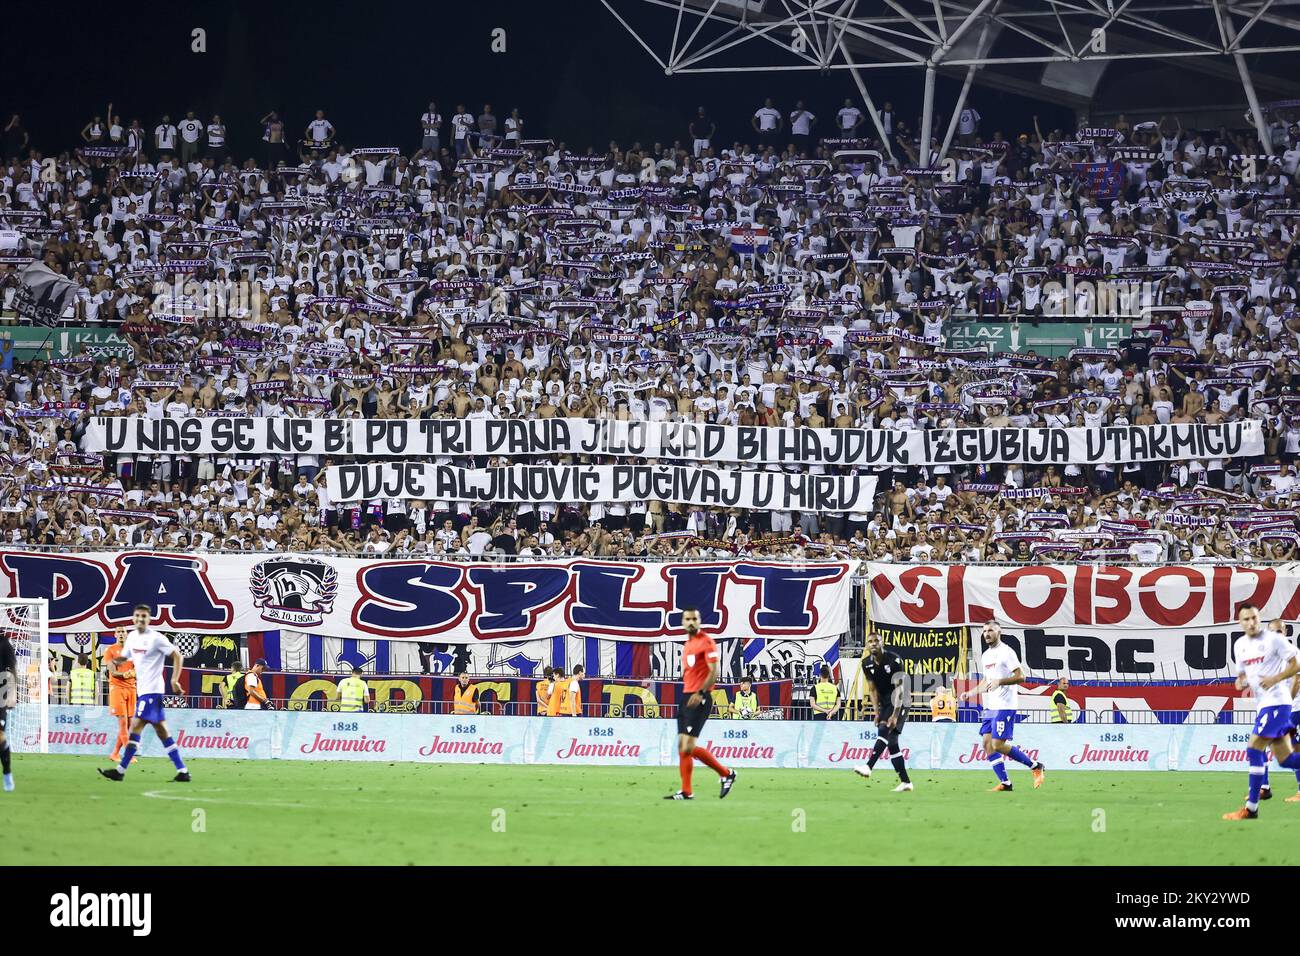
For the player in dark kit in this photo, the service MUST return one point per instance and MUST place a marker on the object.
(887, 683)
(8, 699)
(699, 674)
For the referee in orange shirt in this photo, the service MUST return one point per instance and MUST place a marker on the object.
(121, 690)
(699, 674)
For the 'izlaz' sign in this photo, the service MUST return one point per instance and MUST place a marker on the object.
(452, 603)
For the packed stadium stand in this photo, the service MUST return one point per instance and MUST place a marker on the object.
(750, 283)
(816, 273)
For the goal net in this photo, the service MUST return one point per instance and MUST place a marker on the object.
(26, 691)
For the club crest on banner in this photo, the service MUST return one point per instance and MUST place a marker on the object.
(79, 642)
(296, 591)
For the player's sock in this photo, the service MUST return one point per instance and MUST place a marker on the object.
(123, 733)
(1291, 762)
(1258, 760)
(896, 756)
(173, 751)
(5, 757)
(686, 763)
(1020, 756)
(703, 756)
(999, 768)
(132, 745)
(877, 751)
(900, 767)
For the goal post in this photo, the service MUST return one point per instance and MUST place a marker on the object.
(26, 692)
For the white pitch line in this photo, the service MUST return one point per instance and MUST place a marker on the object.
(196, 796)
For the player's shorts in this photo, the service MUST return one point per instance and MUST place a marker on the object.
(884, 716)
(1295, 720)
(149, 708)
(1273, 722)
(121, 703)
(1000, 723)
(690, 720)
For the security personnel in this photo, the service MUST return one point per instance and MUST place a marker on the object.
(231, 685)
(943, 705)
(825, 696)
(572, 706)
(464, 697)
(559, 683)
(1061, 712)
(255, 697)
(353, 693)
(544, 687)
(746, 703)
(83, 682)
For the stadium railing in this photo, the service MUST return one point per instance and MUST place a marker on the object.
(477, 559)
(669, 711)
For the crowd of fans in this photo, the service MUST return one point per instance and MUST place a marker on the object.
(807, 278)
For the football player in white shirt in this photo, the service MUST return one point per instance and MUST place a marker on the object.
(1278, 626)
(1002, 672)
(1265, 663)
(149, 650)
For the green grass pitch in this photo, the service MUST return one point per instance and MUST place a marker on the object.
(290, 812)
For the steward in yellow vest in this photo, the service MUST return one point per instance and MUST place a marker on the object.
(825, 697)
(745, 705)
(1061, 712)
(353, 693)
(230, 686)
(464, 700)
(83, 682)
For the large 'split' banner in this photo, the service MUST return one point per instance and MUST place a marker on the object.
(447, 602)
(1087, 622)
(642, 742)
(566, 484)
(875, 447)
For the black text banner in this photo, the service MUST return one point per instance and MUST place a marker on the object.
(691, 441)
(572, 484)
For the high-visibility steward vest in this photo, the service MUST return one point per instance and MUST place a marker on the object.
(232, 680)
(253, 682)
(554, 706)
(83, 686)
(826, 694)
(943, 706)
(1059, 697)
(744, 702)
(573, 699)
(543, 696)
(352, 694)
(464, 700)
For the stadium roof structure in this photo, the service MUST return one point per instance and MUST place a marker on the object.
(1083, 54)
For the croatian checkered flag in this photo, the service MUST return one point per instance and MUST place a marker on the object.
(187, 644)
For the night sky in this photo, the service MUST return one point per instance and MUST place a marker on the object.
(574, 73)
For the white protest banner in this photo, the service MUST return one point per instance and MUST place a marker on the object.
(568, 484)
(878, 447)
(452, 602)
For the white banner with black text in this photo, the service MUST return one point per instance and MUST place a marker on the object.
(575, 484)
(693, 441)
